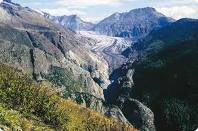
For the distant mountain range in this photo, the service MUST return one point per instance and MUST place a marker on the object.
(134, 24)
(72, 22)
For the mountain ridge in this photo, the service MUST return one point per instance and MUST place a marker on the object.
(132, 24)
(72, 22)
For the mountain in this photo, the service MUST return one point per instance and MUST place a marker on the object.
(37, 45)
(134, 24)
(45, 69)
(72, 22)
(48, 53)
(164, 76)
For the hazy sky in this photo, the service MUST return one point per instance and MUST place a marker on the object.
(95, 10)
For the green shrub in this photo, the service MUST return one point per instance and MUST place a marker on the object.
(63, 78)
(14, 120)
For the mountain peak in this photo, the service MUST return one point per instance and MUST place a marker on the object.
(135, 24)
(149, 11)
(144, 9)
(75, 16)
(72, 22)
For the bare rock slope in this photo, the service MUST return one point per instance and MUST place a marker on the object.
(45, 50)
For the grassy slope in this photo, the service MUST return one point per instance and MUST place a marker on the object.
(25, 105)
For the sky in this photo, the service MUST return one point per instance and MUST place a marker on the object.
(96, 10)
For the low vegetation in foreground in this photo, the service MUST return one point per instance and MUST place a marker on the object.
(26, 105)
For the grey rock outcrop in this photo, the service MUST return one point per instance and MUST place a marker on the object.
(115, 112)
(139, 115)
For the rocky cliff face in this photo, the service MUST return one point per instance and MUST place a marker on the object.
(134, 24)
(43, 49)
